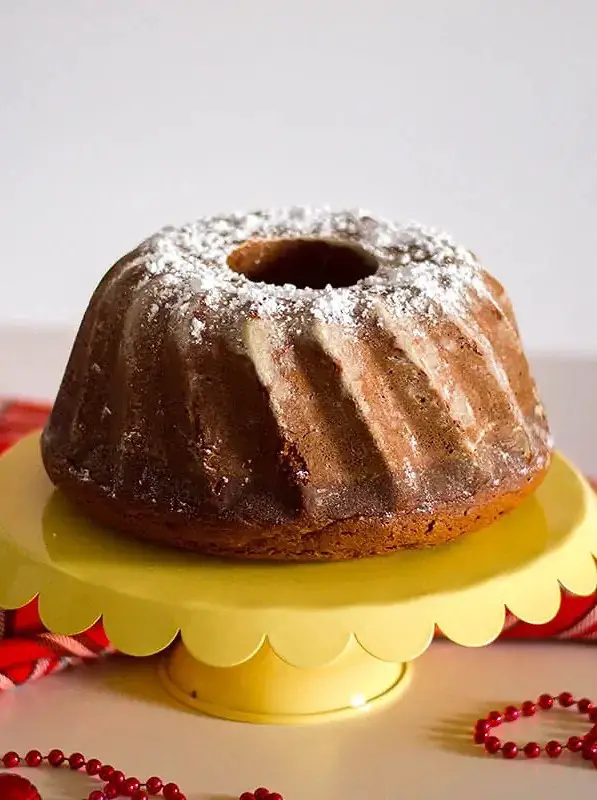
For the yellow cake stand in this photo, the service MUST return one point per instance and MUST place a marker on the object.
(289, 643)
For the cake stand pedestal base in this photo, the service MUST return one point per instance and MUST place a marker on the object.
(265, 689)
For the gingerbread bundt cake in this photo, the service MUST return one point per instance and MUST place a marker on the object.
(297, 384)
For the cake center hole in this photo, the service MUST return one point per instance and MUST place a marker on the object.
(304, 263)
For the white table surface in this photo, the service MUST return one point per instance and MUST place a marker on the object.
(418, 748)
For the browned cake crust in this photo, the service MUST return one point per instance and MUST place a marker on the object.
(356, 537)
(207, 407)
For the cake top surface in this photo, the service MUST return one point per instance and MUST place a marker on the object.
(411, 268)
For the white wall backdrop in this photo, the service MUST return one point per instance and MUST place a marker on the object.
(478, 116)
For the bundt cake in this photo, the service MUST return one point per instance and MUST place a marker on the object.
(297, 384)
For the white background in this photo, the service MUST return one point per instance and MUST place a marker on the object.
(478, 116)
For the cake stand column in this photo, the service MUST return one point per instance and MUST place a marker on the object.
(266, 689)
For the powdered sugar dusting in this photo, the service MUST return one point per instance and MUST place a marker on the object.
(420, 271)
(197, 327)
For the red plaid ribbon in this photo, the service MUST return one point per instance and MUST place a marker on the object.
(28, 651)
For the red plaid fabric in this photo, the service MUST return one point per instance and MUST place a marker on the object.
(28, 651)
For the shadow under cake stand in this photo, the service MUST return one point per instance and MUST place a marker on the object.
(289, 643)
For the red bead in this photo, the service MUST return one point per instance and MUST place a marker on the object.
(275, 796)
(511, 714)
(105, 772)
(261, 794)
(529, 709)
(76, 761)
(56, 758)
(97, 795)
(492, 744)
(545, 702)
(589, 751)
(130, 786)
(509, 750)
(532, 750)
(565, 699)
(181, 797)
(574, 744)
(553, 749)
(480, 736)
(495, 718)
(482, 725)
(117, 778)
(584, 705)
(592, 734)
(111, 791)
(593, 714)
(154, 785)
(15, 787)
(33, 758)
(171, 791)
(93, 766)
(140, 795)
(247, 796)
(11, 759)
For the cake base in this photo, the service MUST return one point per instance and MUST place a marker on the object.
(343, 540)
(267, 690)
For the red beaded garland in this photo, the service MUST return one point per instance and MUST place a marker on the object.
(116, 782)
(585, 745)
